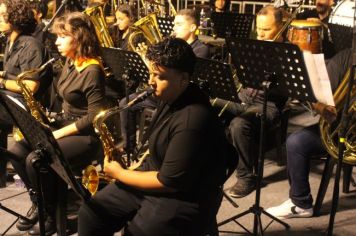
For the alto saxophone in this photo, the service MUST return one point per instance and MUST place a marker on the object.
(91, 177)
(35, 107)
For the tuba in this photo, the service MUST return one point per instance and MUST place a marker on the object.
(91, 176)
(329, 132)
(35, 107)
(146, 27)
(96, 16)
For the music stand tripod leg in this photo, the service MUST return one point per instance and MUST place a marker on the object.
(40, 167)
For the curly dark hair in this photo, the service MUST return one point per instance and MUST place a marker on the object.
(79, 26)
(40, 6)
(173, 53)
(20, 16)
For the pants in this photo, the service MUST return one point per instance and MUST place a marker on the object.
(128, 119)
(79, 151)
(244, 131)
(301, 145)
(117, 206)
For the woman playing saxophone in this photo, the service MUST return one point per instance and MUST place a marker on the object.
(81, 90)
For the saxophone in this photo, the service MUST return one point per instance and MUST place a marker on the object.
(91, 177)
(35, 107)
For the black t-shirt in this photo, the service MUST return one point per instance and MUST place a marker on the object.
(200, 49)
(27, 53)
(188, 145)
(327, 45)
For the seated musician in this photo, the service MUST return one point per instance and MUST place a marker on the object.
(177, 190)
(40, 9)
(81, 88)
(185, 25)
(125, 15)
(220, 5)
(305, 143)
(244, 127)
(22, 53)
(321, 14)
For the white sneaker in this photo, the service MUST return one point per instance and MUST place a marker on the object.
(288, 210)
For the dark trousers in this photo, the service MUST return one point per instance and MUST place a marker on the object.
(128, 119)
(117, 206)
(301, 145)
(244, 131)
(79, 151)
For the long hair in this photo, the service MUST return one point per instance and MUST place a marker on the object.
(79, 26)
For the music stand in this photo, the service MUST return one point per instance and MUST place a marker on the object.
(231, 24)
(125, 62)
(341, 36)
(218, 83)
(165, 25)
(271, 67)
(41, 140)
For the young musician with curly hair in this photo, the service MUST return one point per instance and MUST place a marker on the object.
(177, 191)
(81, 89)
(22, 53)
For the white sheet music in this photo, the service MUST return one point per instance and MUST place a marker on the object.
(319, 78)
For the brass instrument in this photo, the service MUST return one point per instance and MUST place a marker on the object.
(36, 109)
(91, 177)
(96, 16)
(148, 27)
(329, 132)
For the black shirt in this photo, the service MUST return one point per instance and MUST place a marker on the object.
(327, 45)
(82, 92)
(200, 49)
(187, 145)
(26, 53)
(337, 67)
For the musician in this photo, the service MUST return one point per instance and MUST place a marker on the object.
(40, 9)
(220, 5)
(81, 88)
(186, 22)
(177, 191)
(244, 127)
(125, 15)
(305, 143)
(22, 53)
(321, 14)
(185, 25)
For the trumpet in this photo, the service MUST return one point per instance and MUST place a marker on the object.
(91, 176)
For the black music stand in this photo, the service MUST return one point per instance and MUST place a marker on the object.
(41, 140)
(219, 82)
(231, 24)
(341, 36)
(165, 25)
(276, 68)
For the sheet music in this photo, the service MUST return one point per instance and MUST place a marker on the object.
(319, 78)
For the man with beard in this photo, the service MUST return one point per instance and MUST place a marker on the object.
(320, 14)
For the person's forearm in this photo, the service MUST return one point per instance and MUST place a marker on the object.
(146, 180)
(11, 85)
(65, 131)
